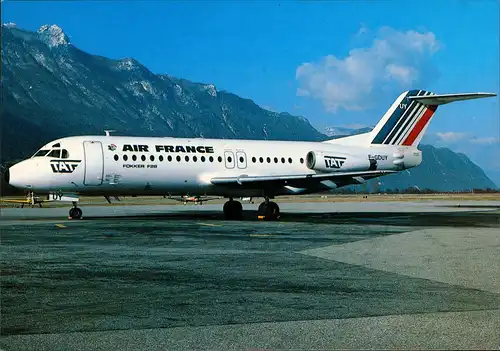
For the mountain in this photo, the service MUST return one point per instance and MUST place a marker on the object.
(338, 132)
(52, 89)
(441, 169)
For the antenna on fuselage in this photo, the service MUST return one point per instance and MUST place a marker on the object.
(109, 131)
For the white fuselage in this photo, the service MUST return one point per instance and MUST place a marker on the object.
(114, 165)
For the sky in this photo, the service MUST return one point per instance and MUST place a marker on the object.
(337, 63)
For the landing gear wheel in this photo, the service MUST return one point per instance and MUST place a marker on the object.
(75, 213)
(268, 211)
(233, 210)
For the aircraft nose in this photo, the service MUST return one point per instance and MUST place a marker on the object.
(17, 176)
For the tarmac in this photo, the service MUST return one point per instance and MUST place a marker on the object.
(422, 275)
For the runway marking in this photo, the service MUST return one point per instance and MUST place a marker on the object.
(61, 226)
(210, 224)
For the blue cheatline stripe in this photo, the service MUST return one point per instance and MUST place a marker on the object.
(408, 111)
(408, 115)
(391, 122)
(408, 125)
(405, 129)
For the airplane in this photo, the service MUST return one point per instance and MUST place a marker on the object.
(33, 200)
(247, 199)
(110, 165)
(198, 200)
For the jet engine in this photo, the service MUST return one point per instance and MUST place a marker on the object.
(335, 162)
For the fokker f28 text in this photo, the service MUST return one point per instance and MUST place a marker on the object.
(114, 166)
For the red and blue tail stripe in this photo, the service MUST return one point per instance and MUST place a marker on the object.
(406, 121)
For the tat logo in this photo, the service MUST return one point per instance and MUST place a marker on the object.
(64, 166)
(334, 161)
(112, 147)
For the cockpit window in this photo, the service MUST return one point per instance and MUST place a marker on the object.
(41, 153)
(54, 153)
(57, 145)
(58, 153)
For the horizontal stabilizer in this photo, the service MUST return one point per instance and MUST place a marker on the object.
(434, 100)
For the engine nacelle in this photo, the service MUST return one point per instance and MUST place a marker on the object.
(407, 158)
(335, 162)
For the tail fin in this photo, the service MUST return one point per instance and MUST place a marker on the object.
(407, 119)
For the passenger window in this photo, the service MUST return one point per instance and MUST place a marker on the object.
(134, 158)
(301, 160)
(116, 157)
(152, 158)
(143, 158)
(178, 158)
(229, 159)
(195, 158)
(64, 154)
(161, 158)
(282, 160)
(125, 157)
(55, 153)
(219, 159)
(254, 159)
(275, 160)
(242, 159)
(268, 160)
(211, 159)
(261, 160)
(169, 158)
(202, 158)
(186, 158)
(289, 160)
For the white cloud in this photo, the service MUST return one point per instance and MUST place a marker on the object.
(394, 61)
(269, 108)
(451, 137)
(486, 140)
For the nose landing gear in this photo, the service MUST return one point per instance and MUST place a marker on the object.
(75, 212)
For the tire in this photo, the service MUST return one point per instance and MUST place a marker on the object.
(75, 213)
(269, 211)
(233, 210)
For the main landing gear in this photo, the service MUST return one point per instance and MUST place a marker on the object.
(233, 210)
(268, 210)
(75, 212)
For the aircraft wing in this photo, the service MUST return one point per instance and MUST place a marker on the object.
(210, 199)
(299, 180)
(201, 199)
(177, 199)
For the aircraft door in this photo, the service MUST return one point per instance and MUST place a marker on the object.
(241, 159)
(94, 163)
(229, 159)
